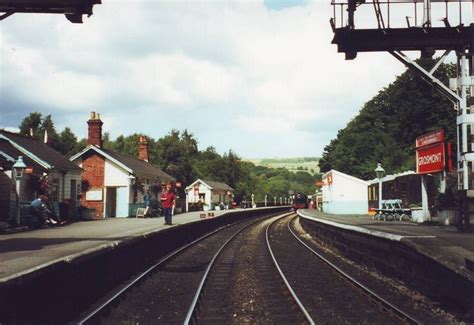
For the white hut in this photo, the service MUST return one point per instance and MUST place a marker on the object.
(344, 194)
(209, 195)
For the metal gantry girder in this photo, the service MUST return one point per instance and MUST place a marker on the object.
(428, 75)
(72, 9)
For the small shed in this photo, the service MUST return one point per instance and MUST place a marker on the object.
(208, 195)
(344, 194)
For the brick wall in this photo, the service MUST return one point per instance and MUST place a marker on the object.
(93, 166)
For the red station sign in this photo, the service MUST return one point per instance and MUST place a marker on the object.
(431, 153)
(430, 138)
(430, 159)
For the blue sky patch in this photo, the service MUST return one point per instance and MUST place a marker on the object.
(283, 4)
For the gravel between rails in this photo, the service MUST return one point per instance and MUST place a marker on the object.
(326, 295)
(165, 296)
(244, 286)
(392, 290)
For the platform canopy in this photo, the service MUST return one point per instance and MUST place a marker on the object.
(72, 9)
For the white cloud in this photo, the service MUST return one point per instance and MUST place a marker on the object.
(213, 67)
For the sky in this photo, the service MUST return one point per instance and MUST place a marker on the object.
(257, 77)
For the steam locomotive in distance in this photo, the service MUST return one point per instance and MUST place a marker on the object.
(300, 201)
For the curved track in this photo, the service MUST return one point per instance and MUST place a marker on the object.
(327, 291)
(251, 272)
(240, 287)
(141, 299)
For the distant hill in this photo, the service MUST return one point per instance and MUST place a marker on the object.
(307, 164)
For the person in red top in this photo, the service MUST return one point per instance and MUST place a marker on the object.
(168, 201)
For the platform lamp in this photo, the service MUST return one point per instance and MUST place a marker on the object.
(18, 170)
(131, 181)
(379, 171)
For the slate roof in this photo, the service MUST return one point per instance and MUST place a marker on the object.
(134, 165)
(218, 185)
(41, 150)
(9, 154)
(140, 167)
(214, 185)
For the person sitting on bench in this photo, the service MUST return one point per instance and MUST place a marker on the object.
(39, 209)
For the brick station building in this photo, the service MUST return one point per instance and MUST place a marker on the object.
(113, 182)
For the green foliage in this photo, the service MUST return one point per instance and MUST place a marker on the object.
(68, 144)
(386, 127)
(177, 154)
(31, 122)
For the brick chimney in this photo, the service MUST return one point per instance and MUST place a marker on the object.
(143, 148)
(95, 130)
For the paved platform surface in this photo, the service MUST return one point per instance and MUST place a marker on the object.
(25, 252)
(443, 243)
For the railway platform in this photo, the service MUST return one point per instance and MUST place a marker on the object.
(432, 259)
(445, 244)
(30, 252)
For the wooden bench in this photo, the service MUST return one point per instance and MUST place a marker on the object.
(141, 212)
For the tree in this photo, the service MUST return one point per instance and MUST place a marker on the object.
(175, 153)
(386, 127)
(31, 122)
(67, 142)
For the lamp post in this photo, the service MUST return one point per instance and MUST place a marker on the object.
(131, 181)
(274, 200)
(265, 200)
(379, 171)
(253, 200)
(18, 170)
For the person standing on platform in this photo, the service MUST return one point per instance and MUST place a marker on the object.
(168, 200)
(147, 201)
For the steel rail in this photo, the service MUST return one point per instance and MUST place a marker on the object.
(137, 279)
(288, 286)
(398, 312)
(204, 279)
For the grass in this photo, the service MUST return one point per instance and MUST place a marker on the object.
(308, 164)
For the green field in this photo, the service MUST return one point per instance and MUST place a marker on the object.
(308, 164)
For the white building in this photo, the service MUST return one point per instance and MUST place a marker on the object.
(209, 194)
(114, 183)
(344, 194)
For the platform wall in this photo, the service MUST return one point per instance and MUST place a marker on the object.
(398, 260)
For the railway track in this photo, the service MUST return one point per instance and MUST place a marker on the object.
(256, 271)
(242, 285)
(140, 299)
(163, 292)
(324, 289)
